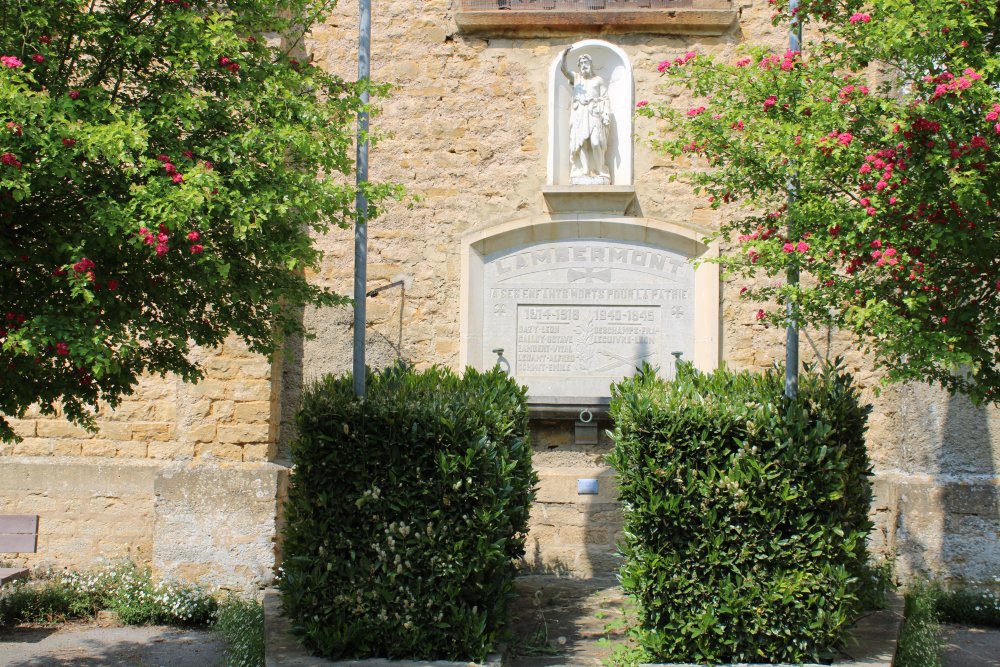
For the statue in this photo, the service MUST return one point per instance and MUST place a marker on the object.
(589, 120)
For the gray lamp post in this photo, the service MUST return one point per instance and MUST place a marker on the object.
(361, 202)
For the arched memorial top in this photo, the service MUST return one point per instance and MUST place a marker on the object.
(570, 303)
(612, 65)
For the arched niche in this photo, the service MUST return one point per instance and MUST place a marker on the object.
(612, 64)
(577, 302)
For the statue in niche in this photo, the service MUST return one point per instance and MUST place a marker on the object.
(589, 121)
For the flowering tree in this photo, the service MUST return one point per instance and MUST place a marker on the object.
(158, 183)
(886, 131)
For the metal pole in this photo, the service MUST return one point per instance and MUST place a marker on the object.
(361, 202)
(791, 310)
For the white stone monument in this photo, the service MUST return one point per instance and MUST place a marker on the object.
(569, 306)
(591, 100)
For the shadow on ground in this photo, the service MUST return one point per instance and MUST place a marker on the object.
(559, 621)
(94, 646)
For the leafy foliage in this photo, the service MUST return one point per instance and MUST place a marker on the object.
(920, 642)
(241, 623)
(407, 513)
(886, 128)
(124, 588)
(162, 164)
(746, 515)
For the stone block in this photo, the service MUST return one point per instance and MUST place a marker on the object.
(25, 428)
(218, 450)
(252, 411)
(115, 430)
(67, 447)
(251, 390)
(171, 449)
(132, 450)
(213, 389)
(60, 428)
(99, 447)
(259, 453)
(216, 523)
(201, 433)
(243, 433)
(152, 431)
(33, 447)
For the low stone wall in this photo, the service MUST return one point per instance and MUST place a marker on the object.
(211, 523)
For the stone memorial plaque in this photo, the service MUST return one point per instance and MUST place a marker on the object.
(575, 315)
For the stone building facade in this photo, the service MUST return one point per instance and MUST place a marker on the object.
(189, 478)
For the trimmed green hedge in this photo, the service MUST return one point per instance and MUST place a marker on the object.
(407, 514)
(746, 517)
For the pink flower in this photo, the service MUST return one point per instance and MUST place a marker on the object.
(802, 246)
(865, 168)
(738, 125)
(197, 249)
(788, 247)
(161, 249)
(68, 142)
(641, 104)
(62, 349)
(834, 230)
(893, 200)
(770, 102)
(760, 314)
(193, 236)
(209, 166)
(177, 178)
(881, 185)
(11, 61)
(84, 265)
(38, 58)
(743, 62)
(860, 18)
(74, 94)
(224, 61)
(112, 285)
(188, 154)
(663, 66)
(865, 201)
(845, 138)
(163, 158)
(696, 111)
(169, 168)
(10, 160)
(870, 210)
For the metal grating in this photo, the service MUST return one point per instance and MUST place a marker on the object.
(568, 5)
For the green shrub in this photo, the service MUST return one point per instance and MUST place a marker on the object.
(241, 624)
(920, 640)
(966, 605)
(123, 588)
(407, 513)
(745, 515)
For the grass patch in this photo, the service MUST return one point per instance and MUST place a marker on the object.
(241, 624)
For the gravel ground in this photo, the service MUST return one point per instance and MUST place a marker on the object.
(92, 645)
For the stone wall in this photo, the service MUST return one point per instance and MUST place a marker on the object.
(466, 130)
(176, 477)
(188, 477)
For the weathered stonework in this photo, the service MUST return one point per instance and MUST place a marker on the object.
(188, 477)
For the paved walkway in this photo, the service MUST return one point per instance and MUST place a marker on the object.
(967, 646)
(91, 645)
